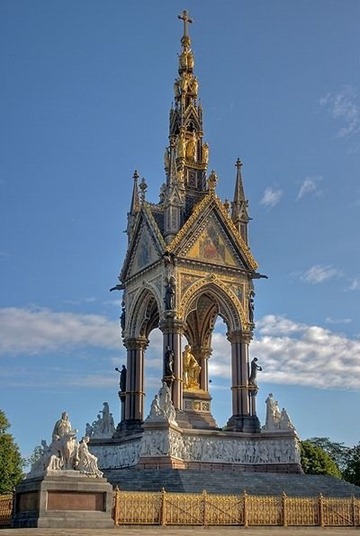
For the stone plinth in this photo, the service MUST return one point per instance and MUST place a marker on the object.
(65, 499)
(197, 410)
(164, 445)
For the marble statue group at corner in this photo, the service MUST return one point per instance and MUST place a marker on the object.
(103, 426)
(64, 452)
(276, 419)
(162, 408)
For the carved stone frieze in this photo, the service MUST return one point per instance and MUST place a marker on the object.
(200, 448)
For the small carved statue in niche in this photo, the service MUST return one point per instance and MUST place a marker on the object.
(170, 293)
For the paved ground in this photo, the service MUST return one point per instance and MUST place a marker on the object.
(183, 531)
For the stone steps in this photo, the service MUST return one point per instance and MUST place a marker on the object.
(229, 482)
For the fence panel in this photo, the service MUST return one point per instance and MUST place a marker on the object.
(263, 510)
(338, 512)
(302, 511)
(184, 509)
(224, 510)
(138, 508)
(6, 502)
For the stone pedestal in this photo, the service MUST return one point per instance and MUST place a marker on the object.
(63, 499)
(160, 446)
(197, 409)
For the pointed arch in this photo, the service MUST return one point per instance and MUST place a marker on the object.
(228, 304)
(144, 313)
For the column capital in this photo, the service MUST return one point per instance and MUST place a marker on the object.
(136, 343)
(242, 336)
(170, 325)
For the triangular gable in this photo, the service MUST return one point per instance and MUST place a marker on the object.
(210, 228)
(212, 246)
(145, 248)
(144, 252)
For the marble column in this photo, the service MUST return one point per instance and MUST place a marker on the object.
(243, 418)
(134, 398)
(172, 330)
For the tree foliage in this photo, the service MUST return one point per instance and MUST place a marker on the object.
(352, 470)
(316, 461)
(11, 462)
(337, 451)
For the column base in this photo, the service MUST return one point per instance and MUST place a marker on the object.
(244, 423)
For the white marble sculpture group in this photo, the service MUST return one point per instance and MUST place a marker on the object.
(162, 408)
(64, 452)
(276, 419)
(103, 426)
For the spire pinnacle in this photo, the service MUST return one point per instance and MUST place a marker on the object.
(135, 203)
(186, 19)
(134, 206)
(239, 213)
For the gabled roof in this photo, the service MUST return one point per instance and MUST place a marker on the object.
(209, 235)
(147, 244)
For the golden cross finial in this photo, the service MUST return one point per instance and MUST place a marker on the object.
(185, 17)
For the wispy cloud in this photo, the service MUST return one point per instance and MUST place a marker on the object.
(33, 331)
(320, 273)
(355, 284)
(271, 197)
(330, 320)
(297, 354)
(310, 187)
(343, 106)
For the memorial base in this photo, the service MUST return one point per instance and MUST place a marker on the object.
(63, 499)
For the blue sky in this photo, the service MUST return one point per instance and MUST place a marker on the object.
(84, 100)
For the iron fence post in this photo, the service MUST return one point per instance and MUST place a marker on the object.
(163, 508)
(284, 510)
(204, 507)
(321, 510)
(246, 522)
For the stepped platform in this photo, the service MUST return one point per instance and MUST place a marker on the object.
(230, 482)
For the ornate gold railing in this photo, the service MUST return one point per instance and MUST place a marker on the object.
(6, 502)
(162, 508)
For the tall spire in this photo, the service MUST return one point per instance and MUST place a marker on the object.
(239, 212)
(186, 157)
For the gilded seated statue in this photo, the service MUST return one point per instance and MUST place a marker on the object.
(191, 369)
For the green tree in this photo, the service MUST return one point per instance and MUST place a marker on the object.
(337, 451)
(316, 461)
(11, 462)
(351, 472)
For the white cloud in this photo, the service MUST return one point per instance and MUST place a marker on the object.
(343, 106)
(290, 352)
(32, 331)
(355, 284)
(320, 273)
(271, 197)
(297, 354)
(309, 187)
